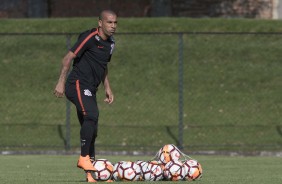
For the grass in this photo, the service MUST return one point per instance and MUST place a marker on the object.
(61, 169)
(232, 85)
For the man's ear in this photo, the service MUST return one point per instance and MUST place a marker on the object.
(100, 23)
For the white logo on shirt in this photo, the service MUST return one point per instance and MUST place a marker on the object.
(87, 92)
(97, 37)
(112, 48)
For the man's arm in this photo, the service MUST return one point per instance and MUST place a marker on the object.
(66, 63)
(109, 95)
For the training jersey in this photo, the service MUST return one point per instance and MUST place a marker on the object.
(92, 56)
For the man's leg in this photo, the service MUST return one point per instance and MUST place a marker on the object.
(83, 103)
(92, 145)
(80, 117)
(88, 131)
(89, 177)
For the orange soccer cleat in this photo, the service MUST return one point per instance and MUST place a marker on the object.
(85, 163)
(89, 177)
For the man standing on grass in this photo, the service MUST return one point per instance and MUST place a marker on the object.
(90, 54)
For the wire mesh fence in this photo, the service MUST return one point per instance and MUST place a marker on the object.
(200, 91)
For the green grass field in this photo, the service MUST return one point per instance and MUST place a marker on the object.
(232, 85)
(232, 97)
(43, 169)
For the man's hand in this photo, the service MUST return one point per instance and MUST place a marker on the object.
(66, 62)
(59, 90)
(109, 96)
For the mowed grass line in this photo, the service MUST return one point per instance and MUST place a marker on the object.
(61, 169)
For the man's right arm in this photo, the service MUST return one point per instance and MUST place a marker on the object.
(66, 63)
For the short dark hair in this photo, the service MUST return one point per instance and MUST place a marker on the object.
(101, 16)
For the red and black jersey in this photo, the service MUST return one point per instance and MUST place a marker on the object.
(92, 56)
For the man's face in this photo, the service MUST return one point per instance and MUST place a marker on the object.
(108, 24)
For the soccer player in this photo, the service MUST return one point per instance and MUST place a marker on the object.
(90, 55)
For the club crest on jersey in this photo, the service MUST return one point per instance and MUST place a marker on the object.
(97, 37)
(87, 92)
(112, 48)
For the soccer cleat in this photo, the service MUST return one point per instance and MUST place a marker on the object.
(89, 177)
(92, 160)
(85, 163)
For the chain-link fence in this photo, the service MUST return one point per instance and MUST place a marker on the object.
(200, 91)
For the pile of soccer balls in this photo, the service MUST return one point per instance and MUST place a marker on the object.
(169, 164)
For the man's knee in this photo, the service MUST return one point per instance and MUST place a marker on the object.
(92, 117)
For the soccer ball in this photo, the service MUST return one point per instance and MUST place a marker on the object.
(104, 169)
(151, 172)
(129, 171)
(168, 153)
(140, 163)
(154, 162)
(193, 170)
(115, 175)
(174, 171)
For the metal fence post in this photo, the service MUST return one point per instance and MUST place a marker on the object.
(180, 91)
(68, 109)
